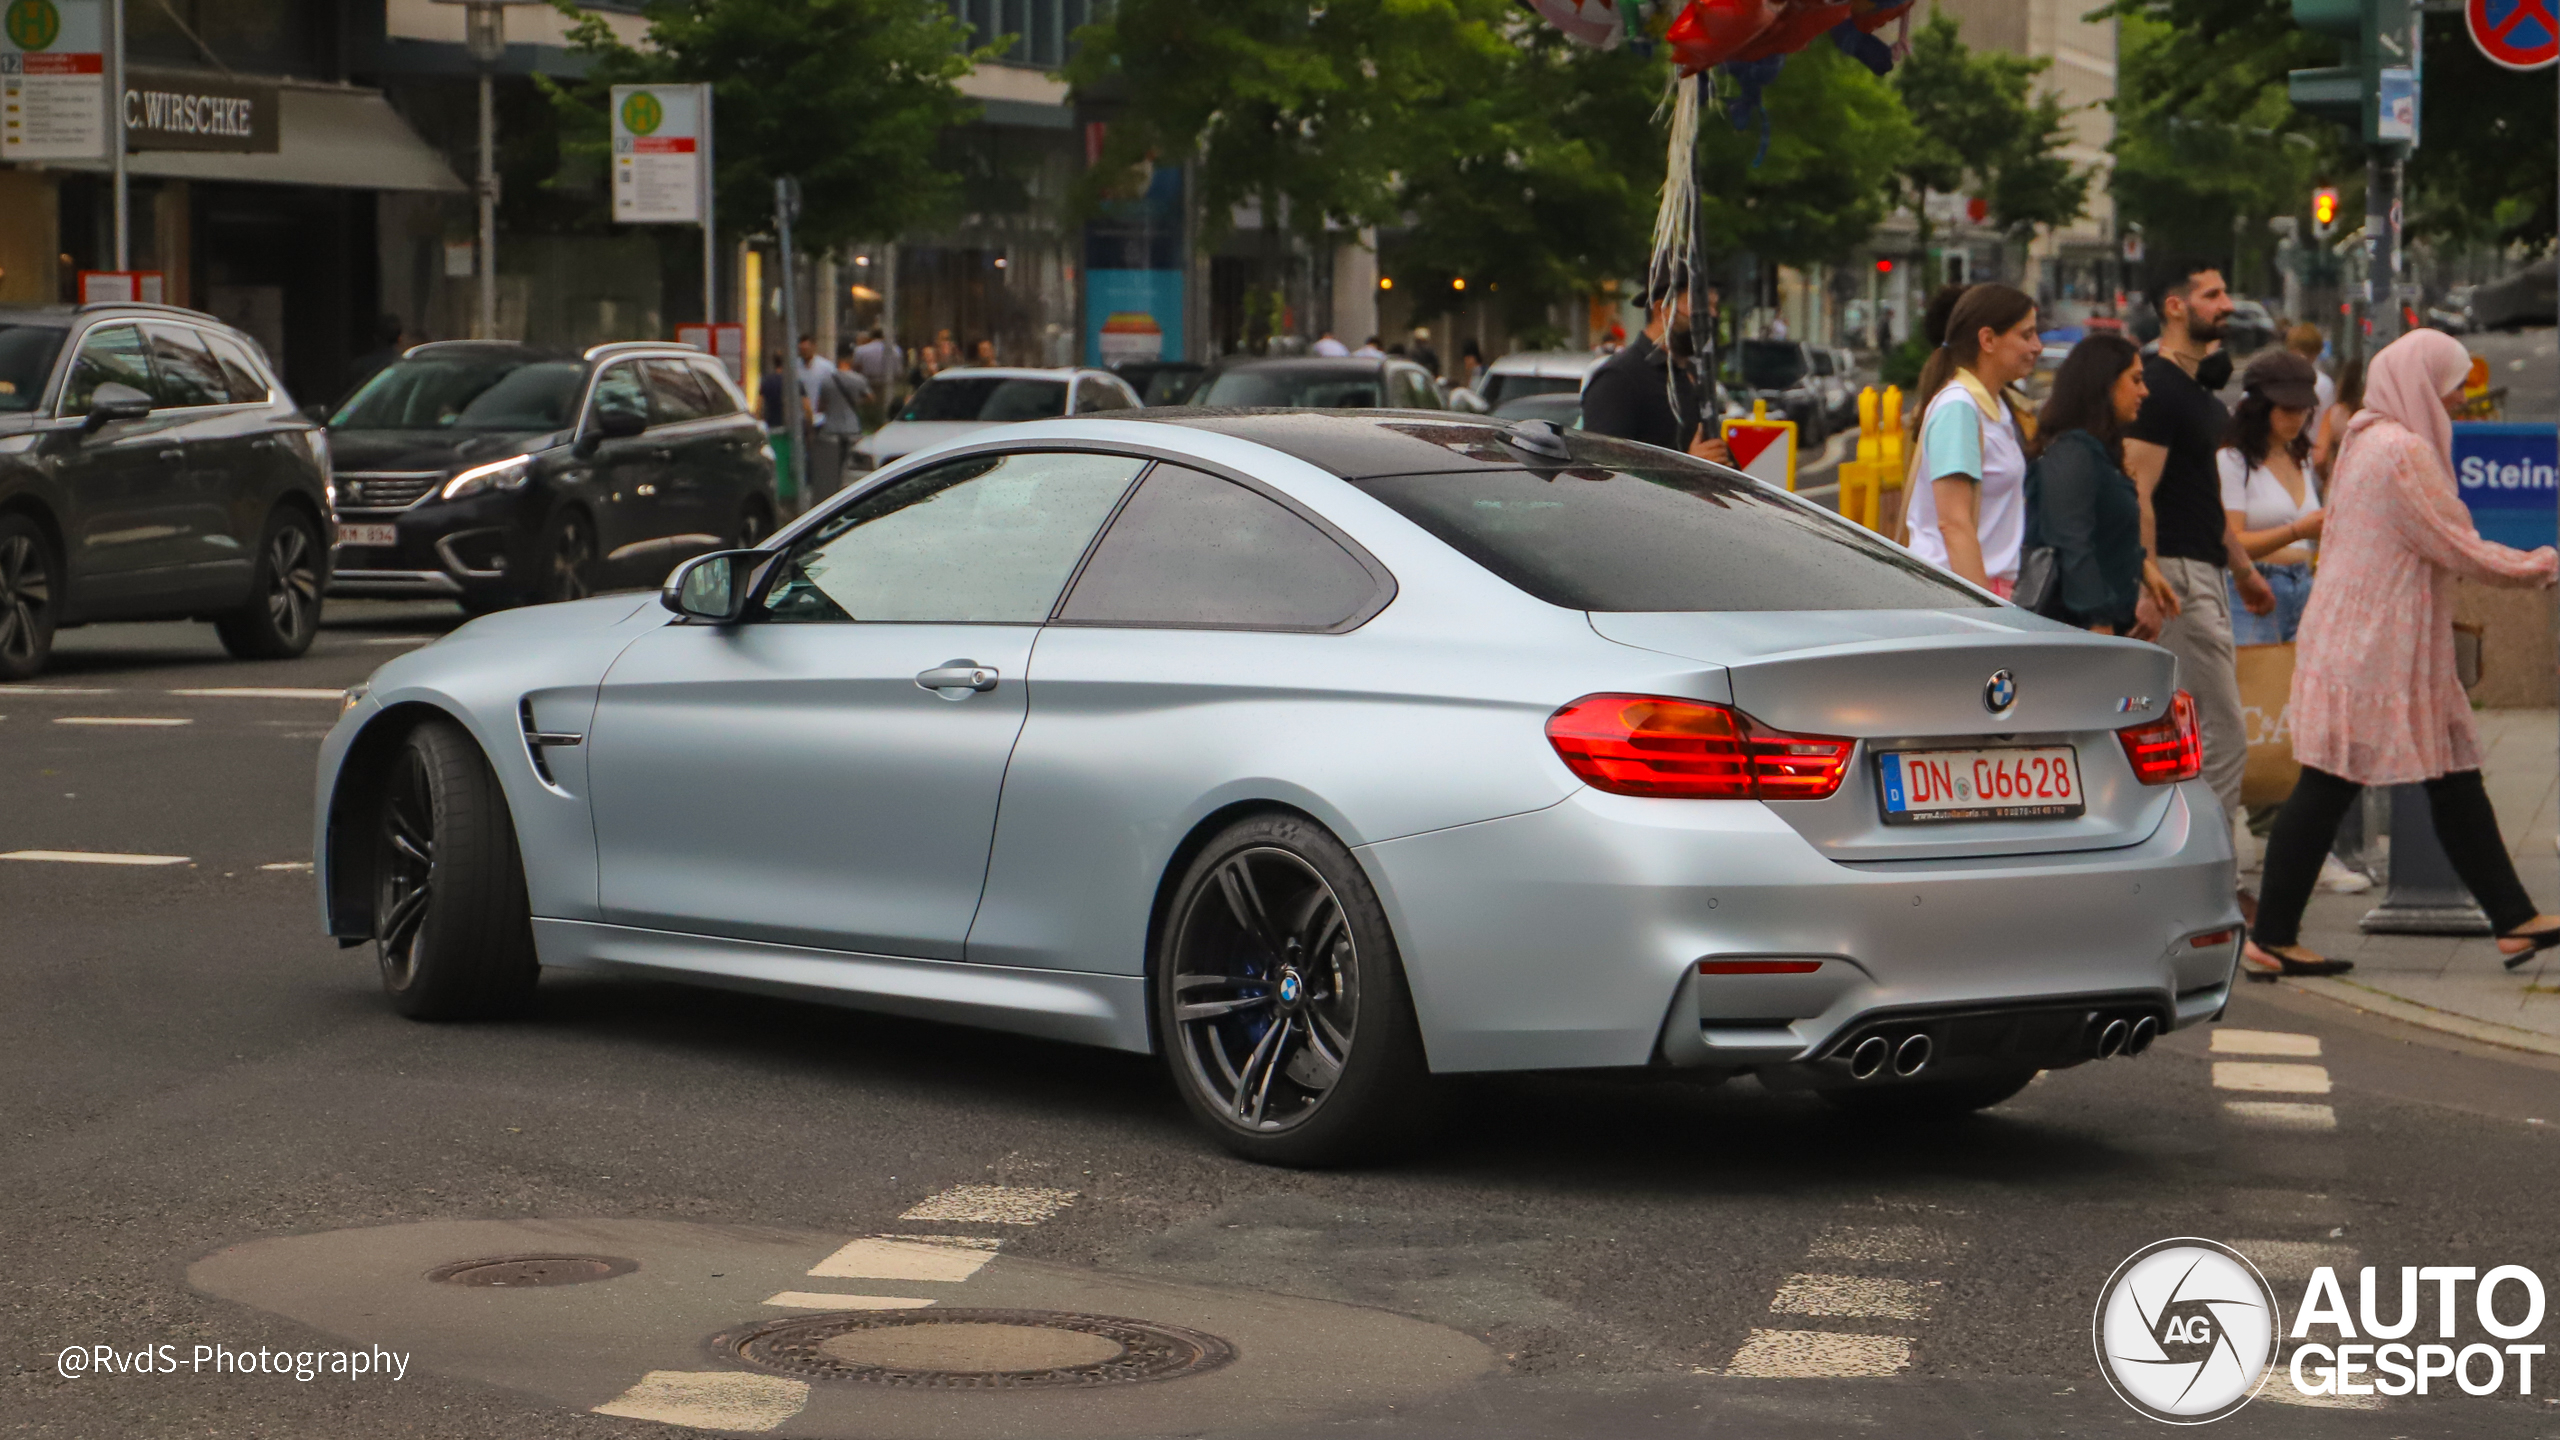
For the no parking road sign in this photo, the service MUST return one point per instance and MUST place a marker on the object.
(2518, 34)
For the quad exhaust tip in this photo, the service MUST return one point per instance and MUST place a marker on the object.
(1866, 1061)
(1911, 1056)
(2111, 1040)
(2145, 1030)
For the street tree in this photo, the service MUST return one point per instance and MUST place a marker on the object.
(1979, 127)
(850, 96)
(1836, 140)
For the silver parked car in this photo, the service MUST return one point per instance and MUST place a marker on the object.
(1319, 754)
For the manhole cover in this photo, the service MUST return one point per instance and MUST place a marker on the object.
(976, 1349)
(527, 1271)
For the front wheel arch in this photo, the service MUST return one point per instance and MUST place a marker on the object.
(353, 800)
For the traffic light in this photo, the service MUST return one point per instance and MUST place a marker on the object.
(2324, 211)
(2373, 90)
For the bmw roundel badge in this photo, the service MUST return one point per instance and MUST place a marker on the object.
(1290, 987)
(2000, 691)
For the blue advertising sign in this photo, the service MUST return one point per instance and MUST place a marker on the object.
(2505, 475)
(1133, 275)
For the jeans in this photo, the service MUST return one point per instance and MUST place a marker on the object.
(2292, 584)
(2465, 823)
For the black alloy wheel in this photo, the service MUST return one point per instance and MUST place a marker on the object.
(1283, 1010)
(452, 928)
(282, 616)
(26, 598)
(570, 567)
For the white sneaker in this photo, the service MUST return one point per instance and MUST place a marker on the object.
(2338, 879)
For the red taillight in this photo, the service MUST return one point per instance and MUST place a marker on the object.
(2218, 937)
(2166, 750)
(1686, 750)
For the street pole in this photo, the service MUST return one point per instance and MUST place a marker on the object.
(116, 139)
(795, 409)
(2377, 246)
(485, 38)
(710, 231)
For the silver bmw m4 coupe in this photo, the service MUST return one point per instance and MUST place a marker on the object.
(1319, 754)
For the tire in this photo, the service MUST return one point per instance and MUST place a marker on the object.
(453, 931)
(755, 521)
(282, 615)
(30, 581)
(569, 559)
(1274, 921)
(1922, 1100)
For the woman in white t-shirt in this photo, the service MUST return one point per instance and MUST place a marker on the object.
(2268, 490)
(1967, 511)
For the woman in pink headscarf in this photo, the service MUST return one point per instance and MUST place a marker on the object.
(2375, 697)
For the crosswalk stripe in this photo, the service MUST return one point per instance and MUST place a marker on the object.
(1819, 1354)
(2264, 1042)
(265, 692)
(2296, 1259)
(992, 1205)
(1854, 1296)
(92, 857)
(2270, 1076)
(2282, 1114)
(810, 1300)
(1884, 1244)
(122, 720)
(711, 1399)
(906, 1257)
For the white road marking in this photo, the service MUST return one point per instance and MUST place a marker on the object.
(1819, 1354)
(2279, 1391)
(2282, 1114)
(1887, 1244)
(121, 720)
(992, 1205)
(809, 1300)
(92, 857)
(304, 865)
(53, 690)
(265, 692)
(2262, 1075)
(711, 1399)
(1853, 1295)
(2296, 1259)
(401, 640)
(2264, 1042)
(905, 1257)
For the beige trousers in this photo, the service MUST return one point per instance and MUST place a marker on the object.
(2201, 639)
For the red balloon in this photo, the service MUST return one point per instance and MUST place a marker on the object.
(1707, 33)
(1803, 23)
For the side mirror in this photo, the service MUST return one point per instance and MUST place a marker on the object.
(715, 588)
(112, 401)
(606, 425)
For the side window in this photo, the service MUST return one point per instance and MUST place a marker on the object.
(188, 373)
(111, 354)
(1414, 392)
(674, 395)
(1192, 549)
(244, 378)
(619, 389)
(716, 389)
(1093, 395)
(991, 539)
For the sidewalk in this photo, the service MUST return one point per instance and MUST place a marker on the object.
(2457, 985)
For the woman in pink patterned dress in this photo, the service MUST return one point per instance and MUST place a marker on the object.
(2375, 697)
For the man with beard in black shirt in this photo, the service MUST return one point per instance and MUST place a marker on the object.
(2169, 452)
(1629, 396)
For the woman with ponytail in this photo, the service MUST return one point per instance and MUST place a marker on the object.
(1966, 506)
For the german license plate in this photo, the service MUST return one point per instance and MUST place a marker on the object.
(368, 534)
(2017, 782)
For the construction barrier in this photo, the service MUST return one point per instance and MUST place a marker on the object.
(1878, 464)
(1763, 449)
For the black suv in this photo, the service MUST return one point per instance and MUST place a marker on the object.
(151, 468)
(498, 474)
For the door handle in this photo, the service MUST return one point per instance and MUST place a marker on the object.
(957, 675)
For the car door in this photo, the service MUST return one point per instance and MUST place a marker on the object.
(626, 470)
(223, 457)
(688, 513)
(128, 479)
(826, 773)
(744, 488)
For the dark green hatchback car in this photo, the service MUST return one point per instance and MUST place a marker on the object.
(152, 468)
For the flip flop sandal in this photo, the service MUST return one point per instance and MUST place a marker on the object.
(2298, 962)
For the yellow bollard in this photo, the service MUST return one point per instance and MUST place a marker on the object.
(1857, 473)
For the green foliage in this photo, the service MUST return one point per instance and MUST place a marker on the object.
(850, 96)
(1975, 126)
(1837, 138)
(2484, 169)
(1902, 364)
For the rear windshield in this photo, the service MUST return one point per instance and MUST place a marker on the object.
(1772, 364)
(1293, 389)
(26, 362)
(1499, 388)
(993, 398)
(1636, 537)
(474, 393)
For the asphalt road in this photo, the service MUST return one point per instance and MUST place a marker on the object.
(217, 1134)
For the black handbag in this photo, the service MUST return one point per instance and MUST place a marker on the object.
(2039, 586)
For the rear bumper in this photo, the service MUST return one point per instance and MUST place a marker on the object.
(1570, 937)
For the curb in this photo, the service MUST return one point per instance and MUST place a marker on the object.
(2366, 998)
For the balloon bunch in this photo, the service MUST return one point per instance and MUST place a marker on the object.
(1708, 33)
